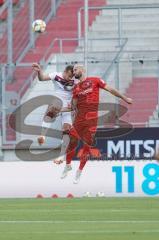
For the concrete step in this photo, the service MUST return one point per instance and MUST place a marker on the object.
(146, 65)
(142, 48)
(131, 33)
(128, 17)
(156, 115)
(131, 41)
(153, 123)
(130, 46)
(138, 73)
(78, 56)
(145, 70)
(125, 25)
(132, 11)
(116, 2)
(143, 55)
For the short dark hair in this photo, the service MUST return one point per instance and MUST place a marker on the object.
(69, 68)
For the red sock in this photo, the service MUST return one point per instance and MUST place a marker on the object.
(69, 156)
(84, 157)
(71, 149)
(82, 163)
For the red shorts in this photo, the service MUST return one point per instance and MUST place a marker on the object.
(84, 130)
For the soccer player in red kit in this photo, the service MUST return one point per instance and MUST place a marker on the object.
(85, 101)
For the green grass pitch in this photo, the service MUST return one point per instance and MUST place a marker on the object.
(80, 219)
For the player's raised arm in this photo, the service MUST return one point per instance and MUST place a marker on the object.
(42, 77)
(116, 93)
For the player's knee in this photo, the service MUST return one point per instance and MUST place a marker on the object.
(66, 132)
(66, 128)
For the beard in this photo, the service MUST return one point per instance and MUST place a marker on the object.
(78, 76)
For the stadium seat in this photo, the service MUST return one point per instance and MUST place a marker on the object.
(15, 2)
(4, 15)
(2, 1)
(143, 91)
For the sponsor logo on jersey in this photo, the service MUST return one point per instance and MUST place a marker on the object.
(68, 85)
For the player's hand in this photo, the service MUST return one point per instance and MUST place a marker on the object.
(41, 140)
(58, 161)
(36, 67)
(129, 100)
(53, 111)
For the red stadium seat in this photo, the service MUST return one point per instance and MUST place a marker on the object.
(143, 91)
(2, 1)
(3, 16)
(15, 2)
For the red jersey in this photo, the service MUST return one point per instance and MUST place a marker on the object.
(87, 95)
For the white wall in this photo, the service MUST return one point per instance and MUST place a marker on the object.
(27, 179)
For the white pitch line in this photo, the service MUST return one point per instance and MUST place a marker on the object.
(86, 232)
(108, 231)
(79, 210)
(78, 221)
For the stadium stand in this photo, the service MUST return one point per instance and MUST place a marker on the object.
(144, 92)
(61, 27)
(21, 30)
(58, 26)
(141, 29)
(134, 80)
(138, 26)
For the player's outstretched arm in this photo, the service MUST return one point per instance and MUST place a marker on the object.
(42, 77)
(116, 93)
